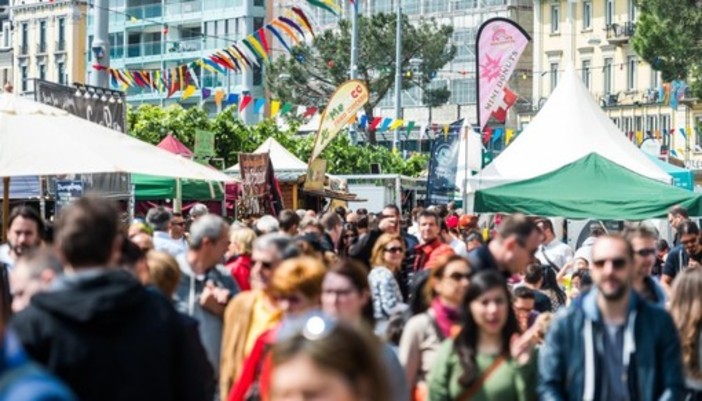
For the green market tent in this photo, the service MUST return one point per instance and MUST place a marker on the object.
(158, 188)
(591, 187)
(682, 177)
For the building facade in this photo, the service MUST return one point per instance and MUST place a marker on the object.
(6, 59)
(48, 42)
(595, 36)
(162, 34)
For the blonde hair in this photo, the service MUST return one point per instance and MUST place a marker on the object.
(686, 310)
(164, 271)
(243, 238)
(302, 274)
(379, 248)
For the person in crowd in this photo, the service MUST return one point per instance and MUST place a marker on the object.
(552, 251)
(346, 297)
(266, 225)
(610, 344)
(310, 213)
(448, 237)
(332, 361)
(349, 238)
(386, 261)
(512, 249)
(251, 313)
(34, 272)
(550, 287)
(176, 229)
(686, 310)
(523, 301)
(309, 245)
(165, 275)
(534, 280)
(363, 226)
(662, 250)
(687, 254)
(424, 332)
(643, 242)
(71, 329)
(132, 258)
(311, 225)
(300, 213)
(138, 227)
(585, 251)
(474, 240)
(333, 229)
(341, 212)
(159, 218)
(289, 222)
(676, 216)
(580, 282)
(143, 241)
(204, 290)
(239, 256)
(297, 289)
(565, 274)
(24, 233)
(432, 247)
(198, 210)
(352, 218)
(487, 360)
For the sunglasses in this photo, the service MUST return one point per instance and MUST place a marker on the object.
(617, 263)
(394, 249)
(456, 276)
(645, 252)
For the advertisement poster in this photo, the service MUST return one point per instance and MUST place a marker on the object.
(66, 192)
(254, 174)
(443, 165)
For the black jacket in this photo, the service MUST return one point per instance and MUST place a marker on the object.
(109, 338)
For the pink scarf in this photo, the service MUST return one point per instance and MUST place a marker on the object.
(446, 317)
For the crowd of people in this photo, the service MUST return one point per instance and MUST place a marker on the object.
(345, 305)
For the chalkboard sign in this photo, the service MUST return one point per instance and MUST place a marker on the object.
(66, 192)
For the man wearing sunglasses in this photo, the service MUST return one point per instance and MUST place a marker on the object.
(611, 344)
(643, 242)
(687, 254)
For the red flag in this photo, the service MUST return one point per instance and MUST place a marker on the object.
(374, 123)
(487, 135)
(245, 102)
(509, 98)
(309, 112)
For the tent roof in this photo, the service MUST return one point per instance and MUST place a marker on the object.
(173, 145)
(591, 187)
(282, 159)
(149, 187)
(570, 126)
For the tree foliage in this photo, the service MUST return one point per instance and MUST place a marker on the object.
(311, 73)
(669, 37)
(152, 123)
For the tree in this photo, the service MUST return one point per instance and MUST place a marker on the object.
(311, 73)
(668, 37)
(435, 97)
(152, 123)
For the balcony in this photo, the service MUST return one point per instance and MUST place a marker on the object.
(186, 7)
(144, 49)
(60, 46)
(135, 15)
(116, 52)
(619, 34)
(184, 46)
(23, 51)
(42, 48)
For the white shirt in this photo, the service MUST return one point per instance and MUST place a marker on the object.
(557, 252)
(459, 247)
(5, 256)
(164, 243)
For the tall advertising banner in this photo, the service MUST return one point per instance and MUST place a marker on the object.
(500, 43)
(348, 99)
(443, 166)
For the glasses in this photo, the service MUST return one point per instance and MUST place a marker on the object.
(456, 276)
(645, 252)
(394, 249)
(265, 265)
(617, 263)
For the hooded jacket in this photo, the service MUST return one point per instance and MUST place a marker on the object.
(570, 361)
(109, 338)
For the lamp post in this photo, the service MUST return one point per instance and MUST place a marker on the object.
(398, 75)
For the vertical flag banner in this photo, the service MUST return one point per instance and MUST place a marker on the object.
(348, 99)
(499, 45)
(443, 166)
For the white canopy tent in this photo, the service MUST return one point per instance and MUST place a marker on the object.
(570, 126)
(285, 164)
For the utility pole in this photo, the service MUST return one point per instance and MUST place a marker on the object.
(101, 43)
(398, 76)
(247, 75)
(353, 72)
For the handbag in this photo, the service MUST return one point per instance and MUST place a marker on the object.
(478, 383)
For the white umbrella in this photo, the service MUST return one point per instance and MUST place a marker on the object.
(36, 139)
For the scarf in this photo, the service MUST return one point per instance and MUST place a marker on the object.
(446, 317)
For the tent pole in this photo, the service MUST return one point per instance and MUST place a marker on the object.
(5, 205)
(178, 203)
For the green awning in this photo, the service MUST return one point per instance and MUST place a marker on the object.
(158, 188)
(591, 187)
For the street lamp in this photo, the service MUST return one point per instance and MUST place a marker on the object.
(398, 75)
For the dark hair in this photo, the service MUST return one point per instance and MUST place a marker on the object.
(288, 219)
(362, 211)
(330, 221)
(341, 211)
(363, 223)
(473, 235)
(357, 274)
(346, 350)
(662, 245)
(545, 223)
(518, 225)
(158, 218)
(130, 254)
(678, 210)
(437, 273)
(466, 342)
(393, 207)
(533, 274)
(640, 232)
(597, 230)
(86, 231)
(688, 227)
(524, 293)
(430, 214)
(551, 283)
(29, 213)
(585, 279)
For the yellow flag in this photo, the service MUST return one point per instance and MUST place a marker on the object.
(275, 107)
(396, 124)
(508, 136)
(219, 95)
(639, 137)
(189, 91)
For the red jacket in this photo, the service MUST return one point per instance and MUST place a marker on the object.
(427, 254)
(240, 269)
(257, 368)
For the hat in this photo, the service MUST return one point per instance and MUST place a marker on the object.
(465, 221)
(452, 221)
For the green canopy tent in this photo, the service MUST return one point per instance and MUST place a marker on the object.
(682, 177)
(153, 188)
(590, 187)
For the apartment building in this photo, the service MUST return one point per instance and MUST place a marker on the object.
(595, 36)
(47, 40)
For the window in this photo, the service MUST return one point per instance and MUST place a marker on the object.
(25, 38)
(665, 121)
(609, 12)
(655, 79)
(628, 124)
(463, 4)
(382, 6)
(436, 6)
(61, 71)
(587, 74)
(462, 91)
(554, 75)
(42, 71)
(42, 36)
(608, 77)
(631, 10)
(61, 32)
(411, 7)
(464, 40)
(258, 76)
(587, 15)
(555, 18)
(631, 63)
(24, 74)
